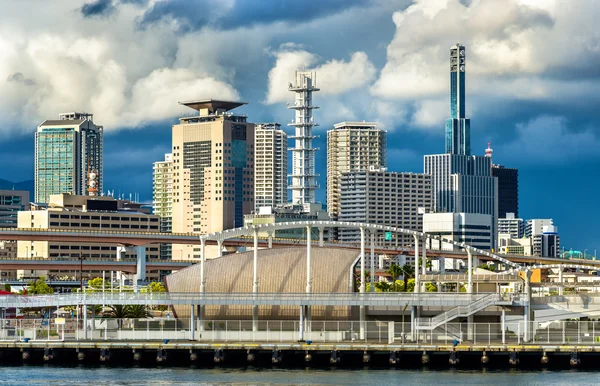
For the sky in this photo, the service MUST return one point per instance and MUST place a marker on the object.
(533, 77)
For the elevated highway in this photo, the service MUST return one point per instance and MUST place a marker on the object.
(124, 265)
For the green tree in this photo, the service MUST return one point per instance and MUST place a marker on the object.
(124, 312)
(117, 311)
(487, 267)
(38, 287)
(7, 287)
(430, 287)
(395, 271)
(382, 286)
(408, 271)
(410, 285)
(154, 287)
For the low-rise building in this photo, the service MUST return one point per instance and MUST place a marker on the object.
(508, 245)
(75, 212)
(472, 229)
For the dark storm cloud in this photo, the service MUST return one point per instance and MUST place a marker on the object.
(106, 7)
(20, 78)
(98, 8)
(194, 14)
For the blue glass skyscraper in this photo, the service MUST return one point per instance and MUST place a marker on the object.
(458, 128)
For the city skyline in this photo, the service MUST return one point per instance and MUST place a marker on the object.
(546, 142)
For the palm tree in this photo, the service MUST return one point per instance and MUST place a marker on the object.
(138, 312)
(383, 286)
(408, 271)
(395, 271)
(117, 311)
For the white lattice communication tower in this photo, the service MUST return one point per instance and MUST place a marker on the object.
(303, 178)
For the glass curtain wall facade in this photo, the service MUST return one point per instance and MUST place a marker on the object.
(65, 151)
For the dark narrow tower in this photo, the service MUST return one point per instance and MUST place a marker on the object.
(458, 128)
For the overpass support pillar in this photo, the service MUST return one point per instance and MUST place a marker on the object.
(469, 291)
(141, 263)
(306, 314)
(202, 259)
(560, 281)
(255, 280)
(372, 266)
(85, 323)
(220, 248)
(362, 281)
(469, 271)
(503, 326)
(527, 308)
(417, 257)
(192, 323)
(270, 239)
(321, 234)
(442, 261)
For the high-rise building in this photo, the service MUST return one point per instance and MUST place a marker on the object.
(508, 190)
(458, 128)
(162, 198)
(385, 198)
(351, 147)
(303, 177)
(213, 171)
(270, 165)
(512, 226)
(66, 151)
(460, 182)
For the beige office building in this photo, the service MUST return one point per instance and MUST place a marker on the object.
(270, 174)
(75, 212)
(351, 147)
(213, 172)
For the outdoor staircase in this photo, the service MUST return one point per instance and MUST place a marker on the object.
(456, 312)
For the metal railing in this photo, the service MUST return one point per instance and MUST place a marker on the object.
(388, 299)
(288, 331)
(461, 310)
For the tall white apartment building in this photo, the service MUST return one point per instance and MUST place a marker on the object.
(386, 198)
(162, 199)
(544, 237)
(270, 165)
(515, 227)
(351, 147)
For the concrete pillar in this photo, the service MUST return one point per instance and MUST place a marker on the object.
(417, 281)
(527, 308)
(560, 281)
(470, 327)
(85, 327)
(362, 281)
(270, 239)
(321, 235)
(202, 259)
(308, 252)
(469, 271)
(442, 261)
(255, 280)
(141, 263)
(220, 248)
(503, 326)
(372, 288)
(424, 260)
(192, 323)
